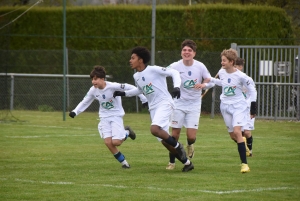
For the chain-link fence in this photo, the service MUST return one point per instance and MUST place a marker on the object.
(276, 100)
(45, 92)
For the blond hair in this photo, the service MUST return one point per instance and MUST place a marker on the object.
(230, 54)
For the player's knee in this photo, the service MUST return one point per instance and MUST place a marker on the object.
(154, 129)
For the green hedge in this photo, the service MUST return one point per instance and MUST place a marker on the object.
(213, 27)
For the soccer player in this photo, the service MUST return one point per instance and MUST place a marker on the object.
(234, 107)
(111, 112)
(188, 106)
(246, 130)
(151, 81)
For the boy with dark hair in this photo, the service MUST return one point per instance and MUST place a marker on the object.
(246, 130)
(151, 81)
(233, 103)
(111, 112)
(188, 106)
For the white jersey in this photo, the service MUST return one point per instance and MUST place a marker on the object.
(152, 83)
(109, 106)
(190, 75)
(232, 87)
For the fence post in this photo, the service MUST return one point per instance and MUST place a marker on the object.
(12, 92)
(276, 101)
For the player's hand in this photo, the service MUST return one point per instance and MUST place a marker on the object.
(119, 93)
(72, 114)
(145, 105)
(176, 93)
(199, 86)
(253, 108)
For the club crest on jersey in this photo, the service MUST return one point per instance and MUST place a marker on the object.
(190, 73)
(143, 78)
(147, 89)
(189, 83)
(122, 86)
(103, 96)
(107, 105)
(229, 80)
(229, 91)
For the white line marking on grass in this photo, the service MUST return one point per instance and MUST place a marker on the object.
(162, 189)
(45, 182)
(46, 136)
(208, 191)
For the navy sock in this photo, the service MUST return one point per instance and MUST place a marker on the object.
(171, 141)
(249, 142)
(172, 157)
(242, 152)
(189, 142)
(119, 156)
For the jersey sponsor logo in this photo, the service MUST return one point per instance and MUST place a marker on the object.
(189, 83)
(190, 73)
(122, 86)
(181, 72)
(107, 105)
(229, 91)
(147, 89)
(174, 122)
(97, 96)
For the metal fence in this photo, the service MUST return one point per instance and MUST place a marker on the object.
(45, 91)
(275, 71)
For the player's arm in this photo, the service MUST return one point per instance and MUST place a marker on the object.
(128, 93)
(251, 89)
(121, 91)
(205, 85)
(170, 72)
(84, 104)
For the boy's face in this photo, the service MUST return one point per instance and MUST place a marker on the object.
(226, 64)
(98, 82)
(187, 53)
(135, 61)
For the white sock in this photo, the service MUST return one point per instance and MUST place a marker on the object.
(187, 162)
(125, 163)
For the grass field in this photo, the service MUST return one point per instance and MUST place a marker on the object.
(45, 158)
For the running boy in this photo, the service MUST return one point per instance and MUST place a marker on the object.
(151, 80)
(188, 106)
(111, 112)
(233, 106)
(246, 130)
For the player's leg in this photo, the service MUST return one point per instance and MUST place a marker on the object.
(239, 119)
(160, 117)
(188, 165)
(112, 130)
(176, 124)
(248, 135)
(191, 123)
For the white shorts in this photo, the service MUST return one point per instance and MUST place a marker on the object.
(234, 115)
(186, 114)
(250, 124)
(112, 127)
(160, 116)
